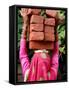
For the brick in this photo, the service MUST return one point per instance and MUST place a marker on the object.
(36, 19)
(49, 37)
(36, 27)
(37, 36)
(49, 21)
(41, 45)
(52, 13)
(49, 29)
(34, 11)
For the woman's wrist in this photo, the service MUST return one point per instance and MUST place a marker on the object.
(25, 26)
(25, 19)
(24, 32)
(24, 35)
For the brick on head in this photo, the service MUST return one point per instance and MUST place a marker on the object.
(42, 30)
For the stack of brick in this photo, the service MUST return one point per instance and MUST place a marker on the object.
(42, 30)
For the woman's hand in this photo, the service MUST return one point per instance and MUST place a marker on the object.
(24, 14)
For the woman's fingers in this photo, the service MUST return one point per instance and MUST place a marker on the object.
(29, 11)
(24, 12)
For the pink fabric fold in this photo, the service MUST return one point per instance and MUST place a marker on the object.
(39, 68)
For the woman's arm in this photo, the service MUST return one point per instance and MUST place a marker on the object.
(54, 60)
(52, 74)
(24, 60)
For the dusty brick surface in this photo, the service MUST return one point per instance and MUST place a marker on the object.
(36, 27)
(41, 45)
(51, 13)
(49, 37)
(34, 11)
(38, 36)
(49, 21)
(49, 29)
(36, 19)
(42, 30)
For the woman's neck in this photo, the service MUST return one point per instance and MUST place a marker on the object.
(43, 50)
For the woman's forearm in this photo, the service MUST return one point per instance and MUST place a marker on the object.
(54, 62)
(24, 60)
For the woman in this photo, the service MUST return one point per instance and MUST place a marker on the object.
(42, 66)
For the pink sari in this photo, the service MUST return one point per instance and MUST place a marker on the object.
(40, 69)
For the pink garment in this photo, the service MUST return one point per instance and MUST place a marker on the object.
(40, 68)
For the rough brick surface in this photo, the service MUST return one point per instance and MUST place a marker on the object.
(49, 29)
(49, 37)
(52, 13)
(34, 11)
(49, 21)
(36, 27)
(41, 45)
(37, 36)
(37, 19)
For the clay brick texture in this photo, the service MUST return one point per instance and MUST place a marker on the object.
(37, 36)
(34, 11)
(42, 30)
(49, 29)
(49, 37)
(49, 21)
(41, 45)
(49, 33)
(36, 19)
(36, 27)
(51, 13)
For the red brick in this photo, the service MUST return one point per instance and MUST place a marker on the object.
(36, 19)
(49, 21)
(37, 36)
(41, 45)
(49, 29)
(36, 27)
(49, 37)
(34, 11)
(52, 13)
